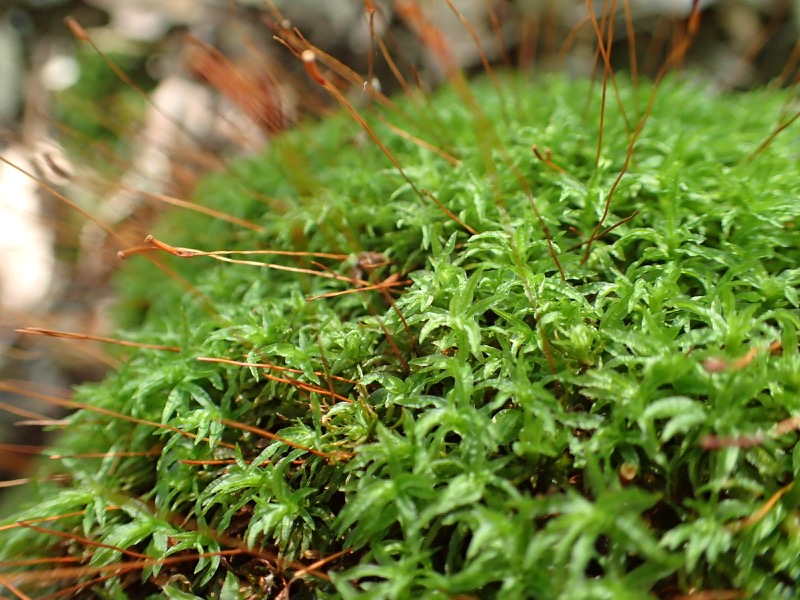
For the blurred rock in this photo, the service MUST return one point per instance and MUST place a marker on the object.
(27, 268)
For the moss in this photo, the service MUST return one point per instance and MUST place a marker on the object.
(515, 434)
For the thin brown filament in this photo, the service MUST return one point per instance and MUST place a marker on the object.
(21, 412)
(26, 522)
(547, 159)
(116, 568)
(271, 436)
(309, 62)
(239, 363)
(198, 208)
(81, 34)
(421, 143)
(384, 285)
(676, 55)
(152, 243)
(370, 10)
(487, 67)
(104, 411)
(94, 338)
(761, 512)
(83, 540)
(607, 230)
(13, 589)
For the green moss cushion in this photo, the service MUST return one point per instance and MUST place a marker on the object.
(488, 428)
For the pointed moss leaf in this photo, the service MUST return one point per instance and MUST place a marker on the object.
(126, 535)
(796, 460)
(683, 424)
(459, 491)
(683, 411)
(66, 501)
(640, 536)
(96, 514)
(372, 505)
(645, 577)
(231, 589)
(173, 593)
(235, 481)
(702, 537)
(160, 378)
(174, 401)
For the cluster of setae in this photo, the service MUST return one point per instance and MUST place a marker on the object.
(523, 337)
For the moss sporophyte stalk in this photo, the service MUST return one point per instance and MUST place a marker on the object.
(398, 385)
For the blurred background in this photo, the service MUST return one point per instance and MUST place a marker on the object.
(163, 91)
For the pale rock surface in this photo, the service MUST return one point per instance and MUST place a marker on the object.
(27, 257)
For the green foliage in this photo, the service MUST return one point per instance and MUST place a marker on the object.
(100, 111)
(515, 434)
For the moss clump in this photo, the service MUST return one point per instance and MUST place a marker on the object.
(516, 434)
